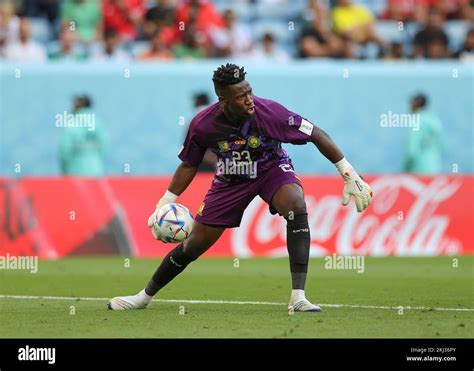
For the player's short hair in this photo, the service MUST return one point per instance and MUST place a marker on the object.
(229, 74)
(420, 100)
(84, 100)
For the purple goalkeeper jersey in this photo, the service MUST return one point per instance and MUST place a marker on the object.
(257, 140)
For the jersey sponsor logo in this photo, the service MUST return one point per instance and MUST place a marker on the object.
(306, 127)
(254, 142)
(223, 146)
(440, 198)
(241, 141)
(201, 208)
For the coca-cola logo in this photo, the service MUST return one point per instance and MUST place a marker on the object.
(408, 216)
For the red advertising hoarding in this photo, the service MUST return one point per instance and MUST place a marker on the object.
(410, 216)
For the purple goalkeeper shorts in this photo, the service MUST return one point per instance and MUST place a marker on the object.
(225, 202)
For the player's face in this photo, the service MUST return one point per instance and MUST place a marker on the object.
(238, 99)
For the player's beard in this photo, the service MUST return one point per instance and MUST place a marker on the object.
(245, 114)
(237, 116)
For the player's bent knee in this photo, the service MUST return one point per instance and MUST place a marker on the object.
(201, 239)
(295, 207)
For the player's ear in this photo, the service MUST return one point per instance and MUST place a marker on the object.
(220, 94)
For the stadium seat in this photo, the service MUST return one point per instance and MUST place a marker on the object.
(279, 10)
(456, 31)
(376, 6)
(40, 30)
(389, 31)
(52, 46)
(296, 8)
(245, 11)
(369, 51)
(411, 28)
(138, 47)
(279, 29)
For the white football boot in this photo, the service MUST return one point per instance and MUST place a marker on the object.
(299, 303)
(139, 301)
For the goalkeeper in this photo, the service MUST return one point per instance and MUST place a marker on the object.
(244, 129)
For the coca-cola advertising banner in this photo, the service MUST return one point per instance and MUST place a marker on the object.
(409, 216)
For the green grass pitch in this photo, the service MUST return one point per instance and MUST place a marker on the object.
(427, 285)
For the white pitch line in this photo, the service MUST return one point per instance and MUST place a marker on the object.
(241, 303)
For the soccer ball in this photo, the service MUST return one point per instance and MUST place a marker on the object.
(174, 222)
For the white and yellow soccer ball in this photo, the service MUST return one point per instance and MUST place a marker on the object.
(174, 222)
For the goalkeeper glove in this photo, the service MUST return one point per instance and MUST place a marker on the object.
(167, 198)
(355, 186)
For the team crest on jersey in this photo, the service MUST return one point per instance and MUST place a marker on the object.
(201, 208)
(254, 142)
(223, 146)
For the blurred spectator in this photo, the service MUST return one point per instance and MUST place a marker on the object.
(192, 46)
(39, 8)
(201, 16)
(431, 41)
(425, 145)
(124, 16)
(9, 26)
(83, 143)
(418, 10)
(269, 2)
(395, 51)
(83, 17)
(67, 49)
(232, 40)
(269, 51)
(158, 50)
(356, 23)
(437, 48)
(467, 50)
(195, 29)
(317, 40)
(406, 10)
(454, 9)
(25, 50)
(203, 11)
(159, 16)
(110, 51)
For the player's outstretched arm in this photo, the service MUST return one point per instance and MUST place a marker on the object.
(325, 145)
(182, 177)
(354, 185)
